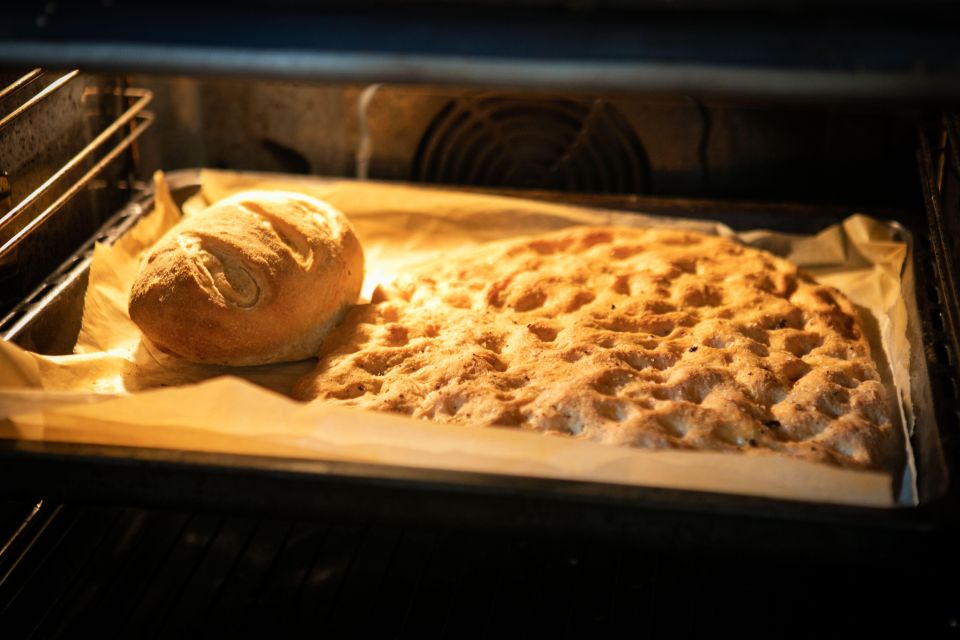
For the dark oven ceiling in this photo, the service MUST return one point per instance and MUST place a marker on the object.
(893, 50)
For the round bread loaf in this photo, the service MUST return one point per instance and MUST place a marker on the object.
(257, 278)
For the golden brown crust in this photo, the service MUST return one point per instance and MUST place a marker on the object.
(653, 338)
(260, 277)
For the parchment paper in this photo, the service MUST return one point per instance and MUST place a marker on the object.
(113, 390)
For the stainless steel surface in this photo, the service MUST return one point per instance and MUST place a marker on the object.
(689, 148)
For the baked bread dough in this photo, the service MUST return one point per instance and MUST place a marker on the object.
(646, 338)
(257, 278)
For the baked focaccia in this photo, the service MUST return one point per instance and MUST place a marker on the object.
(646, 338)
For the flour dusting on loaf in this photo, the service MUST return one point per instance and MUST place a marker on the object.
(647, 338)
(257, 278)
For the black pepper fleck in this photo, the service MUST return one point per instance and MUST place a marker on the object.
(360, 387)
(693, 348)
(773, 424)
(613, 306)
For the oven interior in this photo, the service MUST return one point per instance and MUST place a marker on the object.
(77, 148)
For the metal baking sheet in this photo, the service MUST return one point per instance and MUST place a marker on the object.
(46, 320)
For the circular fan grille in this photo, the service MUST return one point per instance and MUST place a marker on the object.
(564, 145)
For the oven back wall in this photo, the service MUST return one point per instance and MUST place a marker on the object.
(680, 146)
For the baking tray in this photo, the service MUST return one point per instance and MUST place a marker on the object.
(49, 319)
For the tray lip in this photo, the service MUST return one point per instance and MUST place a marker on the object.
(479, 483)
(940, 511)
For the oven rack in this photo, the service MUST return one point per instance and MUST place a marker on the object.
(68, 158)
(68, 280)
(129, 571)
(16, 223)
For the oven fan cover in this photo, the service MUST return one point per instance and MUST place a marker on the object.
(494, 140)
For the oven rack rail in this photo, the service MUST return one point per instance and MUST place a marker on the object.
(938, 158)
(71, 272)
(18, 221)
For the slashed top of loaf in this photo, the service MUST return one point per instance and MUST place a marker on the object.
(256, 278)
(237, 256)
(649, 338)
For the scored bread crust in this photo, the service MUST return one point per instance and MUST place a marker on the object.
(257, 278)
(648, 338)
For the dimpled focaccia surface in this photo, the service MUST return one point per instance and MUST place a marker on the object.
(646, 338)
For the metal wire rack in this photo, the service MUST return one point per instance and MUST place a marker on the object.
(161, 573)
(67, 160)
(25, 216)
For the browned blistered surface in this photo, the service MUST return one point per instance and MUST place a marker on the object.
(647, 338)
